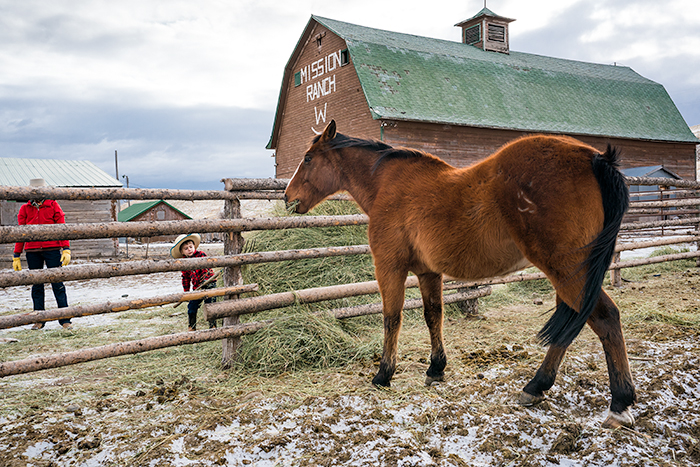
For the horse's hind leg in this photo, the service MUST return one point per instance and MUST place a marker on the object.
(533, 392)
(605, 322)
(431, 291)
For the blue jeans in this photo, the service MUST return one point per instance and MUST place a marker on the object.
(52, 259)
(193, 307)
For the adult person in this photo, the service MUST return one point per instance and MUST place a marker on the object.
(53, 253)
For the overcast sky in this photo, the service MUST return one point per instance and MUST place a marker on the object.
(186, 91)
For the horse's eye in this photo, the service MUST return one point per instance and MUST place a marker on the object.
(307, 159)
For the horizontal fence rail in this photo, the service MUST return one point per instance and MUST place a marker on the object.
(23, 193)
(119, 306)
(32, 364)
(130, 268)
(666, 182)
(24, 233)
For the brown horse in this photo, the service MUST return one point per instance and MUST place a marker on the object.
(552, 202)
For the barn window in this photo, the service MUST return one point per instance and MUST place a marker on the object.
(160, 215)
(344, 57)
(497, 33)
(472, 35)
(297, 79)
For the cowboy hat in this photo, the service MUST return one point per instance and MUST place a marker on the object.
(37, 182)
(175, 250)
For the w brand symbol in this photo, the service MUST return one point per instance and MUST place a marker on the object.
(321, 115)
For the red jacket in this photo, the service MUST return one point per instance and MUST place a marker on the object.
(48, 213)
(195, 277)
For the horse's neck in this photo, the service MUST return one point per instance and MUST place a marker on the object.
(356, 176)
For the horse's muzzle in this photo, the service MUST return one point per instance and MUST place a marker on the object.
(290, 206)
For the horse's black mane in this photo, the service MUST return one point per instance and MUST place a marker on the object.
(385, 151)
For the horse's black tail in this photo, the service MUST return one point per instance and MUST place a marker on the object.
(565, 324)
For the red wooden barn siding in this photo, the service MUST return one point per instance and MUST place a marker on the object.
(345, 102)
(462, 146)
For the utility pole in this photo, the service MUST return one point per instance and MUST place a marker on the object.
(116, 170)
(127, 185)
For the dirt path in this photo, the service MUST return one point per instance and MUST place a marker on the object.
(336, 417)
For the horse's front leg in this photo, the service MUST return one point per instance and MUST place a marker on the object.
(392, 289)
(431, 291)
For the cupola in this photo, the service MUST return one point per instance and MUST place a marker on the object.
(487, 31)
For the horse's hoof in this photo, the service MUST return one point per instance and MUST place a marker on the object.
(528, 400)
(381, 383)
(434, 380)
(618, 420)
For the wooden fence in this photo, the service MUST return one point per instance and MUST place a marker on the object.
(674, 221)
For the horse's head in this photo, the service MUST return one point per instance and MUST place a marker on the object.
(315, 177)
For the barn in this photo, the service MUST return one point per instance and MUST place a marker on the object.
(64, 174)
(461, 101)
(152, 211)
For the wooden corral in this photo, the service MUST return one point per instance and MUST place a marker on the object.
(684, 231)
(462, 103)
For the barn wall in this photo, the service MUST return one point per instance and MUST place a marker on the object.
(330, 92)
(462, 146)
(76, 212)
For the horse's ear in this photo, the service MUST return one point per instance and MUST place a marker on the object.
(329, 132)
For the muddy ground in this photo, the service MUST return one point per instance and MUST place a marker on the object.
(87, 417)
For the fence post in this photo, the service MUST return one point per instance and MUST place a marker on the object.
(233, 244)
(697, 245)
(470, 307)
(616, 274)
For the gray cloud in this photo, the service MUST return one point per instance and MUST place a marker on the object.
(187, 148)
(175, 89)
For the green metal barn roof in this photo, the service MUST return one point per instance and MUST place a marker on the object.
(127, 214)
(58, 173)
(406, 77)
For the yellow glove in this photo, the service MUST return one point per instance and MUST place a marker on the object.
(16, 264)
(65, 257)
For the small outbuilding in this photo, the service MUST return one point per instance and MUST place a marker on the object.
(63, 174)
(152, 211)
(653, 171)
(650, 192)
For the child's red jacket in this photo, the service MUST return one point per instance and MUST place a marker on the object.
(197, 276)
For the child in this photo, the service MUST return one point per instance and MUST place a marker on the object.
(186, 247)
